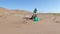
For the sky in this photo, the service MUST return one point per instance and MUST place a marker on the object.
(43, 6)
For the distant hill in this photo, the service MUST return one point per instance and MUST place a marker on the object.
(17, 11)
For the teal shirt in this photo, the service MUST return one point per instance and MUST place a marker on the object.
(35, 10)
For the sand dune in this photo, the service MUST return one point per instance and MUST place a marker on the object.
(13, 23)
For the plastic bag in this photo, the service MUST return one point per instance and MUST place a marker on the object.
(36, 19)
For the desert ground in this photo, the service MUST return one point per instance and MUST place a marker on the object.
(13, 22)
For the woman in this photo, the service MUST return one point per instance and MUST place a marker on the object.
(34, 14)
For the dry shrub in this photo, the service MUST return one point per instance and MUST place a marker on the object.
(1, 14)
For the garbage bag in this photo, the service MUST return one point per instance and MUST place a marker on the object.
(36, 19)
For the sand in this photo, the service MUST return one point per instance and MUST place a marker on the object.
(12, 24)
